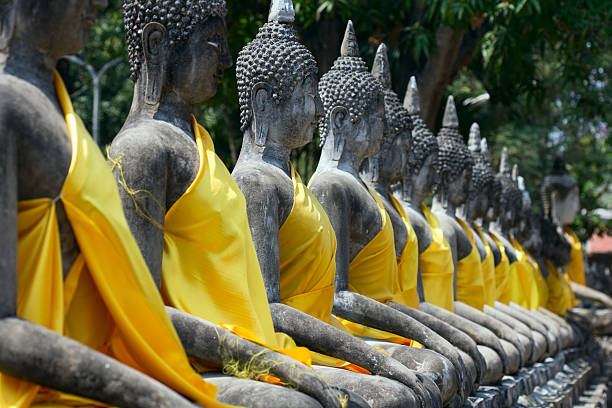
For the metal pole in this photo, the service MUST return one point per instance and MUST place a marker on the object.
(97, 84)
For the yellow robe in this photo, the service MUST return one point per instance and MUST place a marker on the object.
(502, 273)
(108, 300)
(560, 294)
(523, 285)
(470, 282)
(210, 267)
(374, 273)
(408, 263)
(540, 282)
(307, 249)
(437, 267)
(488, 270)
(576, 265)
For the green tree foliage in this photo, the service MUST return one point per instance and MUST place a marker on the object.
(545, 64)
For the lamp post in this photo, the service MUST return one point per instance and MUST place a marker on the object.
(96, 79)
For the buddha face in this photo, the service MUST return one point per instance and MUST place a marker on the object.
(478, 205)
(427, 177)
(394, 162)
(195, 66)
(458, 189)
(58, 27)
(366, 136)
(566, 208)
(293, 121)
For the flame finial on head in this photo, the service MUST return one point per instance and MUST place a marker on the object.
(504, 164)
(281, 11)
(411, 100)
(450, 114)
(515, 173)
(474, 142)
(381, 69)
(484, 149)
(350, 46)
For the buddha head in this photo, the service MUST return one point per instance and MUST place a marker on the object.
(177, 47)
(422, 173)
(354, 105)
(494, 210)
(560, 194)
(57, 28)
(511, 197)
(482, 177)
(277, 83)
(390, 162)
(455, 160)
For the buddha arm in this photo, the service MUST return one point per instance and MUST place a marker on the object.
(453, 335)
(479, 334)
(40, 356)
(8, 224)
(213, 344)
(141, 178)
(585, 293)
(265, 222)
(531, 323)
(498, 328)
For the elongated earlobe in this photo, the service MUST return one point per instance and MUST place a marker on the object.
(338, 119)
(259, 100)
(154, 41)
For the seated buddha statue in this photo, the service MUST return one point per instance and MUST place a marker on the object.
(560, 195)
(81, 321)
(351, 131)
(380, 172)
(456, 164)
(186, 212)
(475, 206)
(294, 240)
(502, 228)
(435, 267)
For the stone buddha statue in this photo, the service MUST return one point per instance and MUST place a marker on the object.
(188, 215)
(351, 131)
(560, 198)
(456, 165)
(294, 240)
(435, 267)
(78, 307)
(474, 210)
(380, 172)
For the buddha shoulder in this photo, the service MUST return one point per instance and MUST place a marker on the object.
(264, 184)
(331, 186)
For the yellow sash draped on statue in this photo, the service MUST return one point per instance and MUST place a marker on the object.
(559, 292)
(502, 273)
(408, 263)
(437, 267)
(307, 245)
(470, 282)
(488, 270)
(523, 284)
(108, 301)
(210, 267)
(576, 265)
(540, 282)
(374, 272)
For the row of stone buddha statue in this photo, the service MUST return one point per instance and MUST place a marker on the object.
(135, 281)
